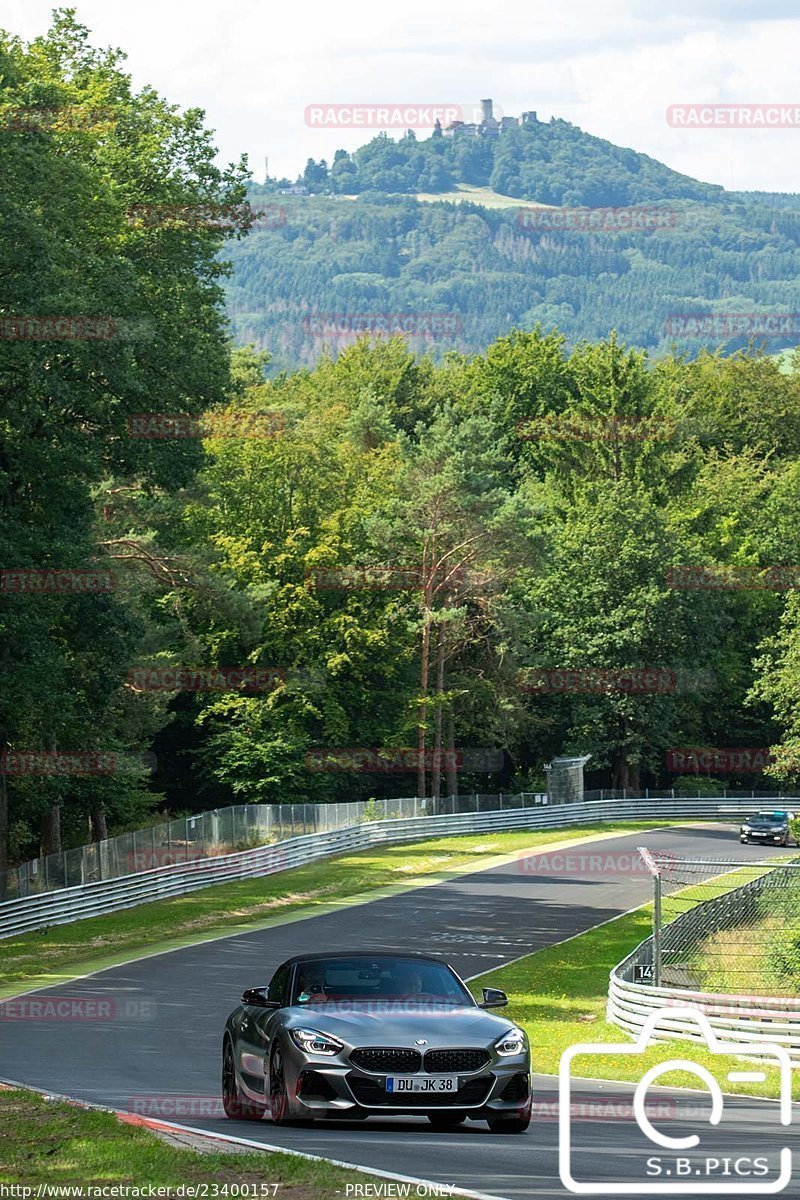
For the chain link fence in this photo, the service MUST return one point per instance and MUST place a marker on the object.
(722, 926)
(225, 831)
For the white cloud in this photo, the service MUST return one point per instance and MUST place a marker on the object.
(613, 69)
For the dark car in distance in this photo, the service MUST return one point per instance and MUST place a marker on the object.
(353, 1035)
(768, 827)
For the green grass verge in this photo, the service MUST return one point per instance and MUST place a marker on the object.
(559, 996)
(44, 1141)
(64, 951)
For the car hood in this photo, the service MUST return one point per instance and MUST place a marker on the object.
(385, 1025)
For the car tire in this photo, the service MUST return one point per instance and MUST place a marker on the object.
(446, 1120)
(508, 1124)
(236, 1106)
(279, 1104)
(518, 1123)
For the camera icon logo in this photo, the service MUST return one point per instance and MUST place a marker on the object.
(667, 1181)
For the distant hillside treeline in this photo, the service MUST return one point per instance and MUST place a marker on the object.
(554, 163)
(392, 254)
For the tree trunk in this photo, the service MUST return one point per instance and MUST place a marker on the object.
(422, 712)
(50, 831)
(452, 768)
(621, 770)
(3, 836)
(436, 777)
(98, 826)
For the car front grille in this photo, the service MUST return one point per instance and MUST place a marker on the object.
(454, 1061)
(380, 1058)
(372, 1094)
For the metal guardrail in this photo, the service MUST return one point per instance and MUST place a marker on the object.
(110, 895)
(733, 1016)
(225, 831)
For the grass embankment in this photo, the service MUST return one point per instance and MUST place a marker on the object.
(559, 997)
(48, 1142)
(761, 959)
(64, 951)
(485, 196)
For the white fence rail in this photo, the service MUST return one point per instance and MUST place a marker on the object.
(109, 895)
(734, 1018)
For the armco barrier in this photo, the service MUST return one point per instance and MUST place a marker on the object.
(735, 1018)
(94, 899)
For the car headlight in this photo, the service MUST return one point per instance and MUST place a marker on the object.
(745, 829)
(510, 1043)
(314, 1042)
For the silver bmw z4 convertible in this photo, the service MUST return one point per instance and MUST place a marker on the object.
(350, 1036)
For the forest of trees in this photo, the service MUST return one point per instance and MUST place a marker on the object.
(553, 162)
(333, 256)
(402, 545)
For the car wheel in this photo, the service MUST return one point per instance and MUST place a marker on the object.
(278, 1097)
(234, 1104)
(504, 1124)
(446, 1120)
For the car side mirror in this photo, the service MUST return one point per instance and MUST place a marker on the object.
(494, 998)
(257, 998)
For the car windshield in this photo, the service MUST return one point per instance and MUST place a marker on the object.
(773, 818)
(377, 980)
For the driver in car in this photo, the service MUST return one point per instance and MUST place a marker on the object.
(409, 982)
(312, 985)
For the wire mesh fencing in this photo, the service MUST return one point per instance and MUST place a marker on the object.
(725, 926)
(225, 831)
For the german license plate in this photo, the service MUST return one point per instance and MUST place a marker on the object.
(397, 1084)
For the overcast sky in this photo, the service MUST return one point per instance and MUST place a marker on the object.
(611, 68)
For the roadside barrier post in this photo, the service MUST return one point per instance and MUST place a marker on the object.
(655, 870)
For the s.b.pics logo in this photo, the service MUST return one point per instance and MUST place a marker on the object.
(702, 1153)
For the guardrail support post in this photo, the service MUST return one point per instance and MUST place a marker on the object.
(657, 930)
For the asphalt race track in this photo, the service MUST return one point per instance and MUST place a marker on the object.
(161, 1047)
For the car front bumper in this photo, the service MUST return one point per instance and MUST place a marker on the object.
(333, 1086)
